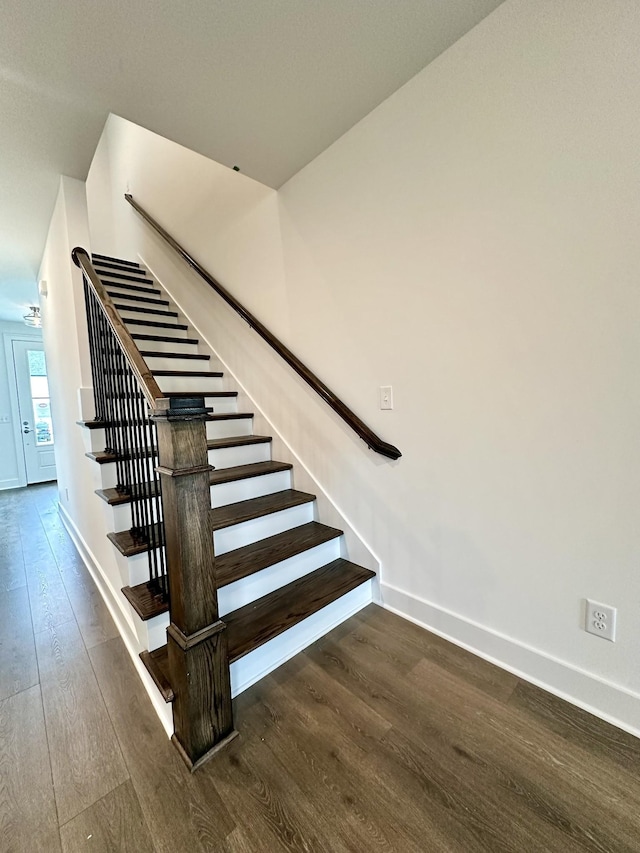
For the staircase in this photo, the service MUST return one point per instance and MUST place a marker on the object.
(282, 580)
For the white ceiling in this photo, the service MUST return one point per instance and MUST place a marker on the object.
(264, 84)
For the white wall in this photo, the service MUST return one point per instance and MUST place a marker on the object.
(64, 332)
(66, 344)
(472, 242)
(12, 466)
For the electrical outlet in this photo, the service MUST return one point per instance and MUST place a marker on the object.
(601, 620)
(386, 397)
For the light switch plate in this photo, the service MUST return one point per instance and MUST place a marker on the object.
(386, 397)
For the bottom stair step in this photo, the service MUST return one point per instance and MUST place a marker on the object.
(250, 627)
(262, 620)
(157, 664)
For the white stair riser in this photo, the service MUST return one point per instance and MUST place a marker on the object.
(136, 299)
(161, 346)
(138, 569)
(242, 454)
(266, 658)
(261, 583)
(109, 473)
(238, 535)
(126, 314)
(122, 516)
(222, 405)
(227, 428)
(151, 633)
(124, 290)
(250, 487)
(156, 630)
(116, 274)
(189, 384)
(160, 363)
(94, 440)
(97, 439)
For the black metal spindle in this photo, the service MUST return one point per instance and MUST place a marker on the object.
(163, 581)
(137, 464)
(145, 484)
(129, 435)
(98, 359)
(124, 478)
(95, 374)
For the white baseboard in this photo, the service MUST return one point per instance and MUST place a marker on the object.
(611, 702)
(129, 638)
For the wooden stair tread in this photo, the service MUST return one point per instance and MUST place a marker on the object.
(139, 309)
(221, 517)
(93, 424)
(227, 516)
(241, 563)
(222, 475)
(103, 458)
(255, 624)
(195, 356)
(118, 267)
(201, 393)
(228, 416)
(166, 338)
(244, 472)
(115, 498)
(251, 626)
(128, 546)
(200, 373)
(107, 276)
(245, 561)
(136, 288)
(145, 601)
(236, 440)
(146, 300)
(158, 324)
(95, 255)
(157, 664)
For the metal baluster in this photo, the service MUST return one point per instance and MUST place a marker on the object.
(97, 396)
(110, 393)
(130, 435)
(117, 362)
(145, 486)
(135, 462)
(103, 371)
(155, 540)
(163, 581)
(137, 468)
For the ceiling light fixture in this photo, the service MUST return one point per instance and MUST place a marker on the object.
(33, 318)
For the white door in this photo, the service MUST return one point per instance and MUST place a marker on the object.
(36, 426)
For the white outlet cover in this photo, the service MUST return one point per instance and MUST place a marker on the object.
(600, 620)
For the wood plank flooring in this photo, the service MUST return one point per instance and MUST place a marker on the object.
(380, 736)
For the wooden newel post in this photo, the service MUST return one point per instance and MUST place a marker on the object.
(196, 638)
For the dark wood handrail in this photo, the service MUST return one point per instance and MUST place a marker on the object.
(148, 384)
(349, 417)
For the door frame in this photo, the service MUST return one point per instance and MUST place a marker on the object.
(9, 338)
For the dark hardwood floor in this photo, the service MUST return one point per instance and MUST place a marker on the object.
(379, 737)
